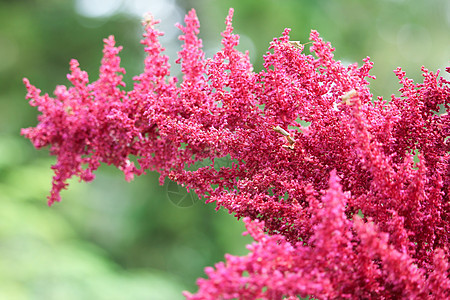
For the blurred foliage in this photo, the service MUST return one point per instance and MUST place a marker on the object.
(115, 240)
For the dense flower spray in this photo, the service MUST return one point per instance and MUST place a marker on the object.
(323, 175)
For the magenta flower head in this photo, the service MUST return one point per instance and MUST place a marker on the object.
(338, 208)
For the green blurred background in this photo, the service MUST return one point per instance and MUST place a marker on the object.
(115, 240)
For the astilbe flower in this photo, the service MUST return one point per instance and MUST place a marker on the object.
(338, 208)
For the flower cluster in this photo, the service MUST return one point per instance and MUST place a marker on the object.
(346, 196)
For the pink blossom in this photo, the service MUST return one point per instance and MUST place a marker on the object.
(298, 188)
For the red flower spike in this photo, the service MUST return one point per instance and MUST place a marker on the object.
(297, 187)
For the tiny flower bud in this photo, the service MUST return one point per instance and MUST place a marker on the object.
(280, 130)
(346, 98)
(296, 44)
(290, 139)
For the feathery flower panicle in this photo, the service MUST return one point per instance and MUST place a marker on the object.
(337, 209)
